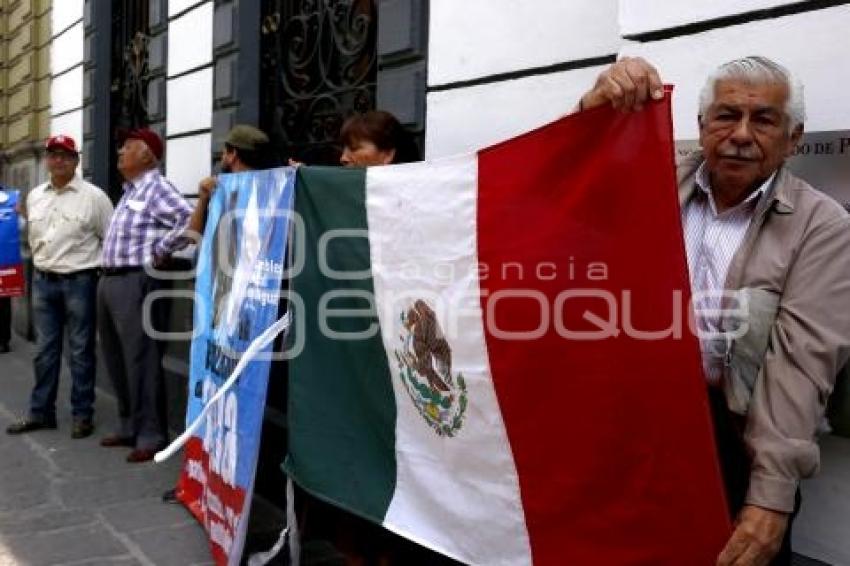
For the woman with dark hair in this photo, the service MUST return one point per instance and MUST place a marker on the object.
(371, 139)
(376, 138)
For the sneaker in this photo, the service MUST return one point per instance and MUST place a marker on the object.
(29, 424)
(82, 428)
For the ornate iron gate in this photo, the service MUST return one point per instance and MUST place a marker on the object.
(318, 65)
(129, 84)
(129, 63)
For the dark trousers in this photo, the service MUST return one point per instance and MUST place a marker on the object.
(360, 541)
(5, 320)
(735, 465)
(63, 305)
(132, 357)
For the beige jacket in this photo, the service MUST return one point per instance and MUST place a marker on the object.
(792, 276)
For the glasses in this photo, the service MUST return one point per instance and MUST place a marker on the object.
(61, 155)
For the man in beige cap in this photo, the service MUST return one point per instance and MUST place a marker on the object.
(245, 149)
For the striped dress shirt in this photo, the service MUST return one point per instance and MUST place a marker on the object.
(711, 240)
(149, 222)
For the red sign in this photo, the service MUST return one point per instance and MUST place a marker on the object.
(213, 502)
(12, 281)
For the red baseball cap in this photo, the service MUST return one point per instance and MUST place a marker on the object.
(151, 139)
(61, 142)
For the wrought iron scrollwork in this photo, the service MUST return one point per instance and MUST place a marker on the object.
(130, 64)
(129, 75)
(319, 66)
(134, 88)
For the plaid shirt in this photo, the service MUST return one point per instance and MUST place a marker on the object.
(148, 222)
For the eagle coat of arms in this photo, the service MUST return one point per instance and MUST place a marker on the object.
(425, 367)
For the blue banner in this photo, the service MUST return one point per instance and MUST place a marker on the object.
(237, 290)
(11, 269)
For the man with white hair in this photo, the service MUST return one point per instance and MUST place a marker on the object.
(149, 224)
(774, 254)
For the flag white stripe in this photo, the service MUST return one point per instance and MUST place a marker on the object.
(459, 495)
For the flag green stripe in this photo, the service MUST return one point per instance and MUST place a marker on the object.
(357, 415)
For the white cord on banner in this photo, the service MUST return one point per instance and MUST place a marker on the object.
(292, 525)
(260, 342)
(263, 558)
(290, 532)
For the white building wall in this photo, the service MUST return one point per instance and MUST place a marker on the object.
(808, 44)
(640, 16)
(497, 68)
(477, 38)
(466, 119)
(501, 67)
(66, 69)
(189, 92)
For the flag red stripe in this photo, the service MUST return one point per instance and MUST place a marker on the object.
(611, 437)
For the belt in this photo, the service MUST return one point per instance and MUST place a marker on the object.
(120, 270)
(52, 276)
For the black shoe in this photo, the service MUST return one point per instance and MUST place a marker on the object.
(170, 496)
(29, 425)
(114, 440)
(141, 455)
(82, 428)
(4, 348)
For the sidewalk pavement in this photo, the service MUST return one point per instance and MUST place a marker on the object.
(72, 502)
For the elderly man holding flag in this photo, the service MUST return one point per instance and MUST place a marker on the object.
(771, 254)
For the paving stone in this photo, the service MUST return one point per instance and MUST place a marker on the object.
(90, 460)
(74, 503)
(146, 514)
(45, 520)
(64, 546)
(142, 483)
(112, 561)
(176, 546)
(21, 499)
(26, 472)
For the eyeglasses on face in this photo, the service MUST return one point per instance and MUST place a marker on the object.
(61, 155)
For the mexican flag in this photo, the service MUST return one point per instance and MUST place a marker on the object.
(495, 355)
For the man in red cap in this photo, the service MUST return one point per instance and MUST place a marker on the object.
(67, 220)
(149, 224)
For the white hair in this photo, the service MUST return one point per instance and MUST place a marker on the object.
(758, 70)
(149, 153)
